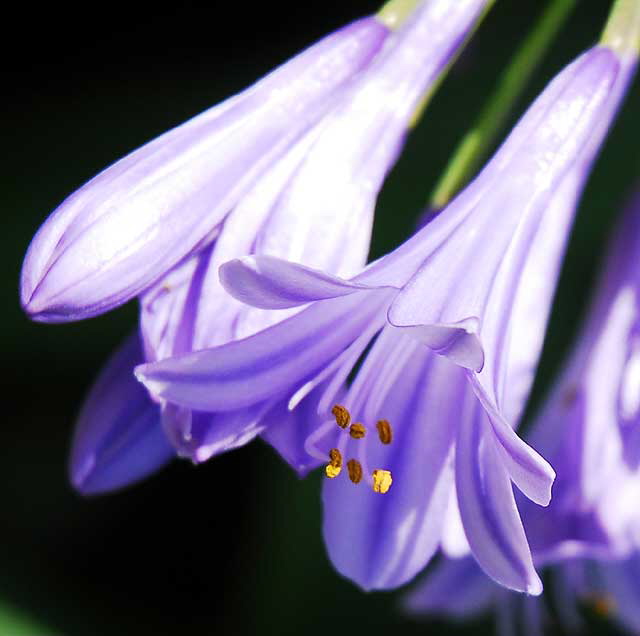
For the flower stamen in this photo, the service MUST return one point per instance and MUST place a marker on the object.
(357, 430)
(382, 480)
(385, 432)
(354, 467)
(334, 467)
(342, 415)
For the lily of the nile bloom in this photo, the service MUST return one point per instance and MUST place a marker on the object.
(308, 195)
(430, 432)
(459, 591)
(588, 428)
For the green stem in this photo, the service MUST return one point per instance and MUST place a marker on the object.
(622, 31)
(394, 12)
(476, 143)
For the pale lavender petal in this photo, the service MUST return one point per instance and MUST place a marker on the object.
(527, 469)
(268, 364)
(453, 542)
(287, 430)
(456, 588)
(383, 540)
(118, 437)
(326, 212)
(121, 231)
(519, 182)
(168, 309)
(199, 435)
(459, 342)
(273, 283)
(488, 508)
(219, 318)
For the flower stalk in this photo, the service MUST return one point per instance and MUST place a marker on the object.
(622, 31)
(394, 12)
(475, 145)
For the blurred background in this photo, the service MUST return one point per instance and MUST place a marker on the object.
(232, 546)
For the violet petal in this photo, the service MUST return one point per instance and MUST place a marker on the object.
(118, 437)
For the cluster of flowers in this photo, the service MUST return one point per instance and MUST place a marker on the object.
(244, 234)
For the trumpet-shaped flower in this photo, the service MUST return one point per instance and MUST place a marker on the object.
(123, 230)
(588, 428)
(475, 287)
(290, 168)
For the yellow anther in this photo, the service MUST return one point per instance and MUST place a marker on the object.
(342, 415)
(334, 467)
(355, 470)
(357, 431)
(385, 433)
(382, 480)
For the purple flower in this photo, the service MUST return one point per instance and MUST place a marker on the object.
(590, 425)
(123, 230)
(118, 438)
(588, 428)
(312, 201)
(458, 590)
(474, 286)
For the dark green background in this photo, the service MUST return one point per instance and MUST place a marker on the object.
(234, 546)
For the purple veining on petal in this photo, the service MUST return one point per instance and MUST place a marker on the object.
(268, 363)
(382, 541)
(138, 218)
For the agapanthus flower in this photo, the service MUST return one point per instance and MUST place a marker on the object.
(588, 428)
(474, 286)
(458, 590)
(290, 168)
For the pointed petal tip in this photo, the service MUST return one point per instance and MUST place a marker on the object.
(268, 282)
(534, 586)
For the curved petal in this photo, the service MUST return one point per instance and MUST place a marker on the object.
(528, 470)
(121, 231)
(473, 255)
(382, 541)
(488, 508)
(199, 435)
(268, 364)
(118, 437)
(459, 342)
(272, 283)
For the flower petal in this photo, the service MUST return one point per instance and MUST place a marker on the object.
(199, 435)
(118, 437)
(488, 508)
(456, 588)
(529, 471)
(268, 364)
(458, 342)
(288, 429)
(382, 541)
(137, 219)
(473, 258)
(272, 283)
